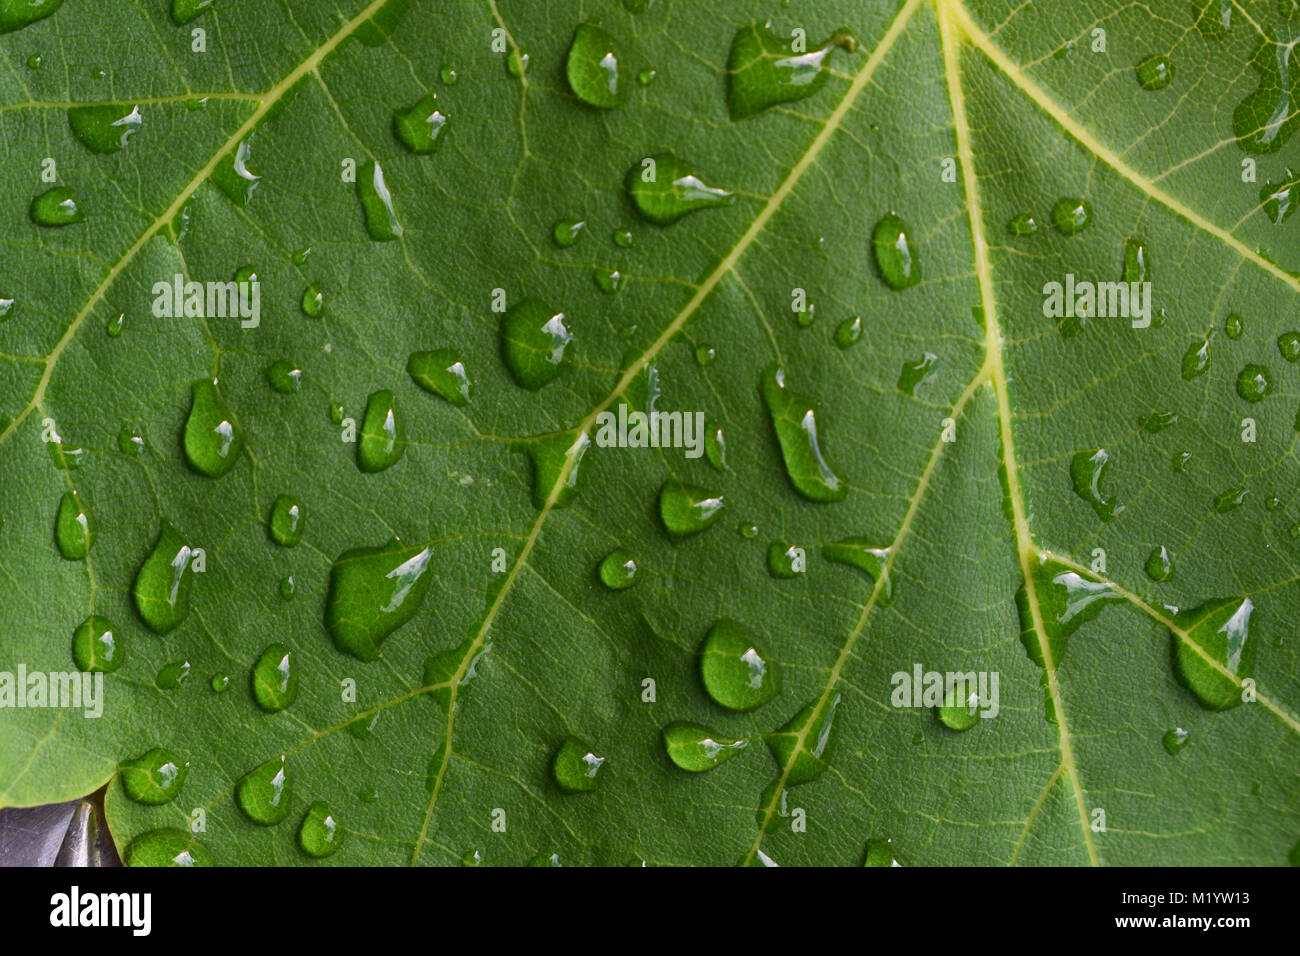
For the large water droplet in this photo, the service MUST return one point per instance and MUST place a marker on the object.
(1254, 383)
(1071, 216)
(803, 745)
(154, 777)
(895, 254)
(577, 767)
(382, 438)
(736, 669)
(880, 853)
(550, 456)
(372, 592)
(664, 189)
(1196, 360)
(56, 207)
(687, 509)
(592, 67)
(377, 203)
(1087, 469)
(917, 373)
(795, 420)
(697, 748)
(95, 647)
(104, 129)
(1160, 564)
(1280, 201)
(1264, 121)
(319, 835)
(264, 793)
(863, 555)
(441, 372)
(74, 531)
(421, 126)
(213, 438)
(1155, 72)
(1220, 631)
(533, 340)
(275, 679)
(162, 585)
(233, 177)
(764, 70)
(167, 847)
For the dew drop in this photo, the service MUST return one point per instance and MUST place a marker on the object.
(155, 777)
(695, 748)
(264, 792)
(220, 683)
(1288, 345)
(848, 332)
(1175, 740)
(74, 530)
(56, 207)
(1196, 360)
(592, 67)
(566, 232)
(765, 70)
(377, 204)
(795, 420)
(1265, 120)
(737, 671)
(448, 76)
(94, 646)
(1219, 629)
(382, 439)
(618, 570)
(784, 560)
(1137, 261)
(880, 853)
(372, 592)
(895, 254)
(1160, 564)
(167, 847)
(1087, 469)
(183, 11)
(213, 438)
(550, 456)
(172, 675)
(162, 585)
(577, 767)
(284, 376)
(664, 189)
(233, 177)
(916, 373)
(860, 553)
(1071, 216)
(1231, 499)
(1233, 326)
(803, 745)
(1023, 225)
(104, 129)
(441, 372)
(687, 509)
(319, 834)
(1254, 383)
(16, 14)
(608, 281)
(421, 127)
(533, 341)
(705, 354)
(1155, 72)
(960, 710)
(1279, 201)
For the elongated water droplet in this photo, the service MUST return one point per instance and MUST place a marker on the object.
(275, 679)
(687, 509)
(56, 207)
(577, 767)
(1087, 470)
(167, 847)
(1279, 201)
(173, 675)
(1071, 216)
(1137, 261)
(618, 570)
(517, 63)
(1220, 630)
(1265, 120)
(664, 189)
(895, 254)
(795, 420)
(162, 585)
(566, 232)
(1155, 72)
(377, 203)
(803, 745)
(1196, 360)
(287, 587)
(372, 592)
(695, 748)
(382, 438)
(550, 456)
(1213, 17)
(1254, 383)
(1233, 326)
(213, 438)
(1175, 740)
(313, 302)
(286, 521)
(737, 671)
(715, 446)
(866, 557)
(441, 372)
(1231, 499)
(421, 127)
(233, 177)
(917, 373)
(95, 647)
(74, 531)
(155, 777)
(264, 792)
(183, 11)
(533, 341)
(104, 129)
(319, 834)
(1160, 564)
(285, 377)
(848, 332)
(764, 69)
(15, 14)
(593, 69)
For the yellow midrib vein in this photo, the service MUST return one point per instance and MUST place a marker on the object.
(266, 102)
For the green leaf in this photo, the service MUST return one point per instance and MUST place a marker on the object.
(380, 203)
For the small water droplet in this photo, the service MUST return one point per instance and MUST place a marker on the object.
(183, 11)
(860, 553)
(15, 14)
(56, 207)
(74, 530)
(618, 570)
(1155, 72)
(1196, 360)
(213, 438)
(705, 354)
(441, 372)
(1279, 201)
(550, 456)
(382, 440)
(372, 592)
(592, 67)
(646, 77)
(687, 509)
(1254, 383)
(1288, 345)
(961, 707)
(1160, 564)
(448, 76)
(664, 189)
(917, 373)
(795, 420)
(1137, 261)
(1023, 225)
(421, 127)
(167, 847)
(95, 647)
(1071, 216)
(172, 675)
(220, 683)
(608, 281)
(313, 302)
(895, 254)
(784, 560)
(566, 232)
(284, 376)
(106, 128)
(695, 748)
(517, 63)
(803, 745)
(577, 767)
(264, 793)
(1158, 421)
(319, 834)
(287, 587)
(1087, 469)
(848, 332)
(155, 777)
(1233, 326)
(1231, 499)
(1175, 740)
(880, 853)
(233, 177)
(162, 585)
(377, 203)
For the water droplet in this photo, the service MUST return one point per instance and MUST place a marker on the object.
(592, 67)
(737, 671)
(56, 207)
(1233, 326)
(471, 858)
(960, 710)
(264, 793)
(34, 61)
(15, 14)
(1175, 740)
(7, 308)
(895, 254)
(1288, 344)
(695, 748)
(566, 232)
(577, 767)
(848, 332)
(550, 455)
(287, 587)
(917, 373)
(803, 745)
(1087, 468)
(74, 531)
(618, 570)
(517, 63)
(285, 377)
(545, 859)
(705, 354)
(300, 256)
(286, 521)
(533, 340)
(1264, 121)
(1158, 421)
(162, 585)
(608, 281)
(313, 302)
(1071, 216)
(94, 646)
(1179, 461)
(441, 372)
(1155, 72)
(623, 237)
(233, 177)
(1160, 564)
(1137, 261)
(1220, 630)
(872, 561)
(213, 438)
(275, 680)
(154, 777)
(377, 203)
(1254, 383)
(183, 11)
(880, 853)
(172, 675)
(715, 446)
(795, 421)
(1279, 201)
(104, 129)
(448, 76)
(646, 77)
(1196, 360)
(764, 70)
(748, 530)
(686, 509)
(784, 560)
(664, 189)
(220, 683)
(1066, 601)
(1023, 225)
(421, 127)
(167, 847)
(382, 440)
(372, 592)
(1213, 17)
(319, 835)
(1231, 499)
